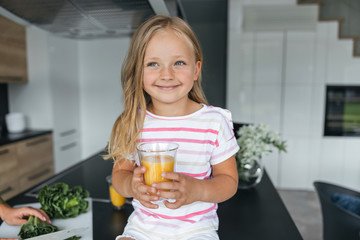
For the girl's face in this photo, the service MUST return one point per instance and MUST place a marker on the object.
(170, 68)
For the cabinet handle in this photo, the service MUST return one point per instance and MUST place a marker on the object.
(40, 174)
(36, 142)
(66, 133)
(6, 190)
(3, 152)
(68, 146)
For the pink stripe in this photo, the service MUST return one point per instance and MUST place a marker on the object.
(179, 140)
(181, 218)
(194, 152)
(223, 153)
(180, 129)
(214, 216)
(165, 217)
(195, 174)
(156, 223)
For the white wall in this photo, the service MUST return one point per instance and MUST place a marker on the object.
(100, 88)
(279, 78)
(36, 92)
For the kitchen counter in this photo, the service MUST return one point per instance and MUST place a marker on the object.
(15, 137)
(257, 213)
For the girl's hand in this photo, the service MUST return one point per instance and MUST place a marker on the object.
(141, 191)
(184, 189)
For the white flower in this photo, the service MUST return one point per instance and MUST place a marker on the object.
(255, 141)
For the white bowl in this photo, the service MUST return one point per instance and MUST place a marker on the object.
(15, 122)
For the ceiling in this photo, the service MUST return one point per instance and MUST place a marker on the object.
(87, 19)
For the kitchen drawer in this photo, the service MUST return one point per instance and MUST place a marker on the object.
(35, 149)
(65, 135)
(30, 179)
(8, 159)
(9, 188)
(67, 154)
(34, 164)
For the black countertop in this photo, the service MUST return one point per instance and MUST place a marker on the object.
(257, 213)
(15, 137)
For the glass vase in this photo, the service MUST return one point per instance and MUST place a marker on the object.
(250, 173)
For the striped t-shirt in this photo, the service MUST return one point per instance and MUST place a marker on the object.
(205, 138)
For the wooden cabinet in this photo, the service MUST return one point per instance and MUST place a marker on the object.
(24, 164)
(9, 186)
(13, 62)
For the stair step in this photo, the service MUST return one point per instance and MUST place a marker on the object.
(347, 13)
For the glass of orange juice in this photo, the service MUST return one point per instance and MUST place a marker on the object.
(157, 157)
(117, 200)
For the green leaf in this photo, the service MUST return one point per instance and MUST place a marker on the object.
(59, 201)
(35, 227)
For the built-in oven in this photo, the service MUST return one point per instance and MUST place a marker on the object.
(342, 111)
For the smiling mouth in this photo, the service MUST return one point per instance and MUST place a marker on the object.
(167, 88)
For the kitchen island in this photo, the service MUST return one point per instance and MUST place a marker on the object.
(258, 213)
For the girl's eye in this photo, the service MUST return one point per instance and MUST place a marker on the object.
(179, 63)
(152, 64)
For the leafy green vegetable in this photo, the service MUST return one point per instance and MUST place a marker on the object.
(35, 227)
(73, 238)
(59, 201)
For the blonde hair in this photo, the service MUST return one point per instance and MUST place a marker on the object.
(128, 126)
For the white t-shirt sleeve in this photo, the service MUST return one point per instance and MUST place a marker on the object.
(226, 144)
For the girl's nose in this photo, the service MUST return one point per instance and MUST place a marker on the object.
(167, 73)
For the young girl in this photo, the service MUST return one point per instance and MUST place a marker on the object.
(161, 80)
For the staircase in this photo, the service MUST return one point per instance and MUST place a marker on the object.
(346, 12)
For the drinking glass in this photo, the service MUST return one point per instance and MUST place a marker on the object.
(117, 200)
(157, 157)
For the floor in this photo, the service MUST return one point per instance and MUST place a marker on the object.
(304, 208)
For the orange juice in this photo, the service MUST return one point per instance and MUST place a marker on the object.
(155, 165)
(116, 199)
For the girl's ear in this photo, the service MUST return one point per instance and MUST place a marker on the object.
(197, 70)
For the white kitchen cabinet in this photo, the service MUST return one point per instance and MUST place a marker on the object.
(268, 58)
(240, 90)
(267, 104)
(267, 88)
(247, 58)
(64, 82)
(297, 123)
(300, 57)
(351, 170)
(267, 78)
(332, 160)
(67, 153)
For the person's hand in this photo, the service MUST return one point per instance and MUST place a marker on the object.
(16, 216)
(9, 239)
(141, 191)
(183, 189)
